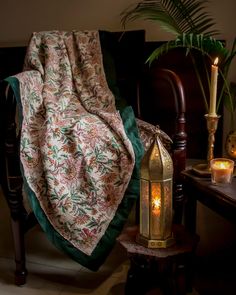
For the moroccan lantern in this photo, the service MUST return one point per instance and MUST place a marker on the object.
(155, 229)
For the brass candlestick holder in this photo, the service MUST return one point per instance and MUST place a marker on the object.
(212, 123)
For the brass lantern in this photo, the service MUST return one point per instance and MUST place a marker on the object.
(156, 197)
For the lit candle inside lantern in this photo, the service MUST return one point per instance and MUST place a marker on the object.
(156, 206)
(213, 89)
(156, 200)
(222, 170)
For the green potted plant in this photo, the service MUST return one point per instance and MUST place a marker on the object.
(191, 26)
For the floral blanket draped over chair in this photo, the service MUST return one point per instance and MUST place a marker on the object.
(79, 154)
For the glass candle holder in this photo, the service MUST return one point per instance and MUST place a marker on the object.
(221, 170)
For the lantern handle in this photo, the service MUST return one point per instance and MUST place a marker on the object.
(162, 135)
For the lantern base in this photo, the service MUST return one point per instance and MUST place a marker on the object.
(155, 243)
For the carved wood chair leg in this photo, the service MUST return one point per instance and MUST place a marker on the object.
(19, 247)
(12, 186)
(18, 218)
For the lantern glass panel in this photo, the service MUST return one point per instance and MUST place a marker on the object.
(156, 210)
(161, 210)
(167, 210)
(144, 208)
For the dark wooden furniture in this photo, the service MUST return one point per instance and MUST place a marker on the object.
(170, 269)
(181, 63)
(221, 199)
(129, 74)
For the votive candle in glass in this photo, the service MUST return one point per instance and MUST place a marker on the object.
(221, 170)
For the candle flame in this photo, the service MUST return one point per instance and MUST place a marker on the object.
(156, 207)
(222, 165)
(156, 199)
(216, 61)
(156, 203)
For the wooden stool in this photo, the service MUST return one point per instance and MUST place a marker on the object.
(170, 269)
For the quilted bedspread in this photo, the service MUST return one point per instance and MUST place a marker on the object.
(76, 149)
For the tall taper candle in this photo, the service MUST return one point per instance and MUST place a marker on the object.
(213, 89)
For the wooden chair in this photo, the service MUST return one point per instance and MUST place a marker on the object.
(129, 57)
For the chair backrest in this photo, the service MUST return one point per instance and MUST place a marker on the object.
(124, 63)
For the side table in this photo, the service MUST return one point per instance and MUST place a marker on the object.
(221, 199)
(170, 269)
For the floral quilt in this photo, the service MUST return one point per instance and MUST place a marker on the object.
(75, 154)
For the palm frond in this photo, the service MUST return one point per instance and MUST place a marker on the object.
(174, 16)
(227, 101)
(208, 46)
(229, 58)
(193, 28)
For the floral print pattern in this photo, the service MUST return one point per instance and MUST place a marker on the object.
(74, 150)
